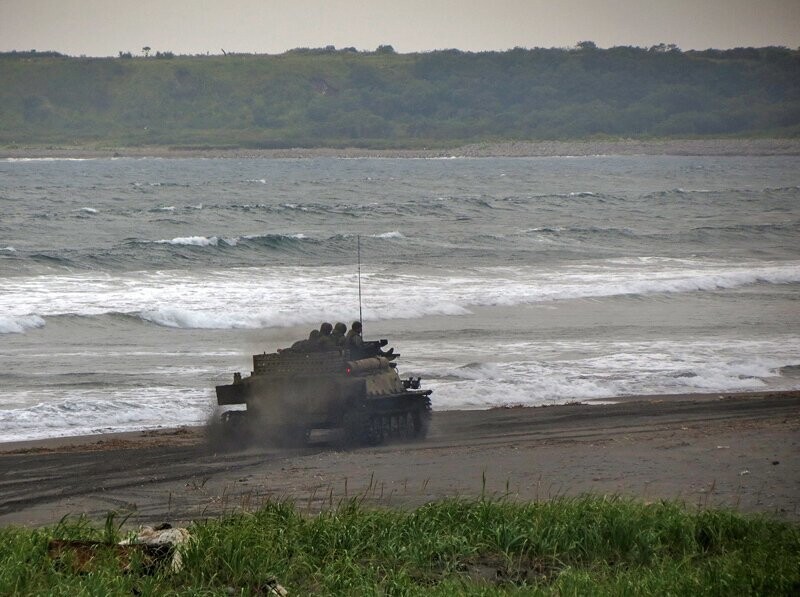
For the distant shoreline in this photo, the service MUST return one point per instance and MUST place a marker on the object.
(676, 147)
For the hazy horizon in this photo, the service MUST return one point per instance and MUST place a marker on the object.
(105, 28)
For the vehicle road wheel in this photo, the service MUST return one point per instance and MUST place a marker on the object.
(374, 434)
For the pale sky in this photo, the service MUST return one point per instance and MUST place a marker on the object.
(105, 27)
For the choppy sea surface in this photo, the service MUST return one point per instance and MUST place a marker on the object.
(130, 287)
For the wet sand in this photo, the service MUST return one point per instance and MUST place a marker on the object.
(594, 147)
(733, 450)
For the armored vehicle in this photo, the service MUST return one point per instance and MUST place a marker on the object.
(289, 393)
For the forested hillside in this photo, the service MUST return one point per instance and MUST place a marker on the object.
(334, 98)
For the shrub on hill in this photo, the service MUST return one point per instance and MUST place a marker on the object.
(333, 97)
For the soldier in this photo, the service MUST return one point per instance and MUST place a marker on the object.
(338, 333)
(360, 349)
(353, 338)
(314, 340)
(310, 345)
(326, 341)
(300, 345)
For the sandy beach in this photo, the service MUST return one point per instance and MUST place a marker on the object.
(732, 450)
(678, 147)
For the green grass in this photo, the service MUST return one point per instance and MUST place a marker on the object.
(584, 546)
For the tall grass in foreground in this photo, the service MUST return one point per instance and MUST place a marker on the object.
(583, 546)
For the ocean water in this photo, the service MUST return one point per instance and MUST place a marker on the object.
(130, 287)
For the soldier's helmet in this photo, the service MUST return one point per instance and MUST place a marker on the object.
(340, 328)
(356, 326)
(325, 329)
(313, 335)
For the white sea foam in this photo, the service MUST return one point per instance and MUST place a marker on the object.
(476, 370)
(88, 210)
(586, 283)
(549, 372)
(490, 385)
(691, 366)
(175, 317)
(388, 294)
(196, 241)
(295, 206)
(19, 324)
(8, 249)
(682, 191)
(283, 315)
(214, 241)
(206, 241)
(66, 412)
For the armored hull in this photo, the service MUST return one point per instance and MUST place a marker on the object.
(289, 394)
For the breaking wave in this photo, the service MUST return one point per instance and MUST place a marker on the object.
(271, 240)
(75, 411)
(269, 297)
(175, 317)
(195, 241)
(451, 296)
(619, 369)
(284, 315)
(19, 324)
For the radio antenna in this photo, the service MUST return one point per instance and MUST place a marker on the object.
(360, 318)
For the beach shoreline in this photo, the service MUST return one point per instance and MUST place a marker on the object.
(194, 434)
(521, 149)
(733, 450)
